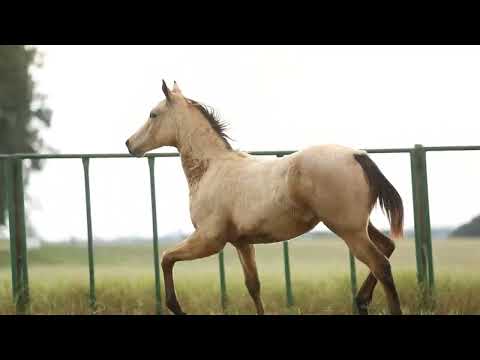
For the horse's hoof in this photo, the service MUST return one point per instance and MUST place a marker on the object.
(363, 311)
(362, 308)
(178, 312)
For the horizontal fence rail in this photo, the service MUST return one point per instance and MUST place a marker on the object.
(11, 166)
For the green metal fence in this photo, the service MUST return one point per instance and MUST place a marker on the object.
(11, 168)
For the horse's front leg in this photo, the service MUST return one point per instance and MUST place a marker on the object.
(197, 245)
(246, 253)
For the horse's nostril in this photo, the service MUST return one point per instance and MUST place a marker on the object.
(128, 147)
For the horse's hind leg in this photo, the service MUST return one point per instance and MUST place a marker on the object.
(368, 253)
(195, 246)
(246, 253)
(386, 246)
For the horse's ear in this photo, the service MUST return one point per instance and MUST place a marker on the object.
(166, 91)
(176, 88)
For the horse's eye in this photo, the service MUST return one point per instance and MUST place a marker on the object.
(152, 115)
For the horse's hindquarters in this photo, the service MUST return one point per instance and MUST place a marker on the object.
(329, 182)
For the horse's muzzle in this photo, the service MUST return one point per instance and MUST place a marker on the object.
(128, 147)
(136, 154)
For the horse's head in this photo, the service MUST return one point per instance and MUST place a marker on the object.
(160, 128)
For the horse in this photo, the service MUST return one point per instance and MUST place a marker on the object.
(240, 199)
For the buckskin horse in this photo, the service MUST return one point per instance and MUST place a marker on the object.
(240, 199)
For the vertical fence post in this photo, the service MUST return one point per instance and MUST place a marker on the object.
(428, 228)
(223, 286)
(353, 281)
(86, 172)
(18, 238)
(288, 279)
(3, 192)
(7, 188)
(11, 217)
(158, 299)
(423, 237)
(419, 253)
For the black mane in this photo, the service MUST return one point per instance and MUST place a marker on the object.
(217, 125)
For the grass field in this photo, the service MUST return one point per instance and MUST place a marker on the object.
(320, 276)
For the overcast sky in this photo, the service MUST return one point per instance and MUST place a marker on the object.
(274, 97)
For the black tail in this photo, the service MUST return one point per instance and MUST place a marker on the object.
(381, 189)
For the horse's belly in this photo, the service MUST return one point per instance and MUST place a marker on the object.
(276, 227)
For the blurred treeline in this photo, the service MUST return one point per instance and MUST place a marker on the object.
(23, 111)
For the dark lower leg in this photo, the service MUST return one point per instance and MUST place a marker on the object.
(170, 295)
(253, 287)
(386, 246)
(386, 278)
(367, 252)
(247, 259)
(195, 247)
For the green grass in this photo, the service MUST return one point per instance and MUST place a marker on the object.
(320, 276)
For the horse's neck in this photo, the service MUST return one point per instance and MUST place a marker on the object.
(194, 169)
(198, 148)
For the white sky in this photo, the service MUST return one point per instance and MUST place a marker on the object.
(274, 97)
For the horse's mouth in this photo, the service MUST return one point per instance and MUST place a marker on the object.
(134, 153)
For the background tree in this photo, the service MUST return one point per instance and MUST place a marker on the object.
(23, 112)
(471, 229)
